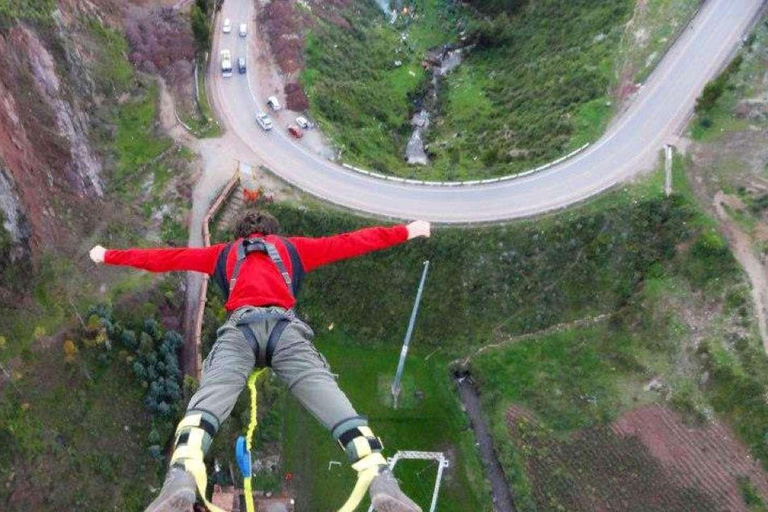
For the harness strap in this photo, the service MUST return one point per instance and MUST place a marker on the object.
(263, 352)
(246, 246)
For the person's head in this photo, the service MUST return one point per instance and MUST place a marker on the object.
(256, 221)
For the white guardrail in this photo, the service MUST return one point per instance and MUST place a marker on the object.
(470, 182)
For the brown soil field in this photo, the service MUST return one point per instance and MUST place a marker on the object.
(647, 460)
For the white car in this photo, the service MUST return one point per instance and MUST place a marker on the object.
(227, 26)
(243, 29)
(303, 122)
(273, 103)
(264, 121)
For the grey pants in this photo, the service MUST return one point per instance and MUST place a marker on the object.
(295, 361)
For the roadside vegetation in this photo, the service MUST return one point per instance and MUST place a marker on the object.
(537, 81)
(653, 27)
(165, 42)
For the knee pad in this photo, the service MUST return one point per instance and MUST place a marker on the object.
(194, 435)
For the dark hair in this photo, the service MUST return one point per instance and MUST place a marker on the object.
(256, 221)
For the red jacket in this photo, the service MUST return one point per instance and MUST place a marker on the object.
(259, 282)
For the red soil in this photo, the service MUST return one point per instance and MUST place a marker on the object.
(709, 457)
(647, 460)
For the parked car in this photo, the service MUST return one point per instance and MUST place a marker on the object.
(243, 29)
(264, 121)
(227, 26)
(226, 63)
(295, 131)
(303, 122)
(241, 65)
(273, 103)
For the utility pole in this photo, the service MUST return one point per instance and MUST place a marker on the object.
(404, 351)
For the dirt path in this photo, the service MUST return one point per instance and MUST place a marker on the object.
(742, 247)
(502, 497)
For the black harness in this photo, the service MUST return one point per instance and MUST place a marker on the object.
(244, 248)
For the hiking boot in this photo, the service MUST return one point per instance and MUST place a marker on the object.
(178, 493)
(386, 495)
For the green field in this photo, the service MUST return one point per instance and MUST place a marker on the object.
(432, 423)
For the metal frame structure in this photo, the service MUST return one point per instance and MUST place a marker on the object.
(442, 463)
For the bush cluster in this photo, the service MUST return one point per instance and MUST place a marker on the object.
(161, 42)
(152, 354)
(714, 89)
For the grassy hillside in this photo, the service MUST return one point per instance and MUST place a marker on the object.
(534, 86)
(503, 280)
(689, 327)
(72, 424)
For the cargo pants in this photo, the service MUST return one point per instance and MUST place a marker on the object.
(295, 361)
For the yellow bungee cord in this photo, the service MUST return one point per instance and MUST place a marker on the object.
(365, 474)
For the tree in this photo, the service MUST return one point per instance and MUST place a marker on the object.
(200, 28)
(129, 339)
(140, 371)
(203, 5)
(712, 92)
(152, 328)
(146, 345)
(163, 409)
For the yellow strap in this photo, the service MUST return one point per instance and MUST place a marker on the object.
(249, 506)
(367, 469)
(362, 446)
(190, 420)
(196, 467)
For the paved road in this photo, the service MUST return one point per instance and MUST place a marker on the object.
(630, 146)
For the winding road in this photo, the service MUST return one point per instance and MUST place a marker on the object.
(631, 145)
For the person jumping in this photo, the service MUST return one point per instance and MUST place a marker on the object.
(260, 274)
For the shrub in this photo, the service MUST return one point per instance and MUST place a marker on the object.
(200, 28)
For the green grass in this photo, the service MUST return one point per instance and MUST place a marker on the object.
(112, 70)
(136, 140)
(434, 423)
(536, 90)
(80, 419)
(34, 11)
(586, 376)
(590, 121)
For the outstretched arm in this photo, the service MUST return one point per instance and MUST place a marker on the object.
(199, 259)
(315, 252)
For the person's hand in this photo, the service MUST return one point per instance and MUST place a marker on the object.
(419, 228)
(97, 254)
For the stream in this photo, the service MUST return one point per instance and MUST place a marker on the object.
(440, 61)
(502, 497)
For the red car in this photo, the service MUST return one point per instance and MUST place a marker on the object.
(295, 131)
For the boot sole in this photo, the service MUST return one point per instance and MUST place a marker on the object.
(180, 501)
(390, 504)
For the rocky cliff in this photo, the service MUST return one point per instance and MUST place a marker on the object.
(51, 172)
